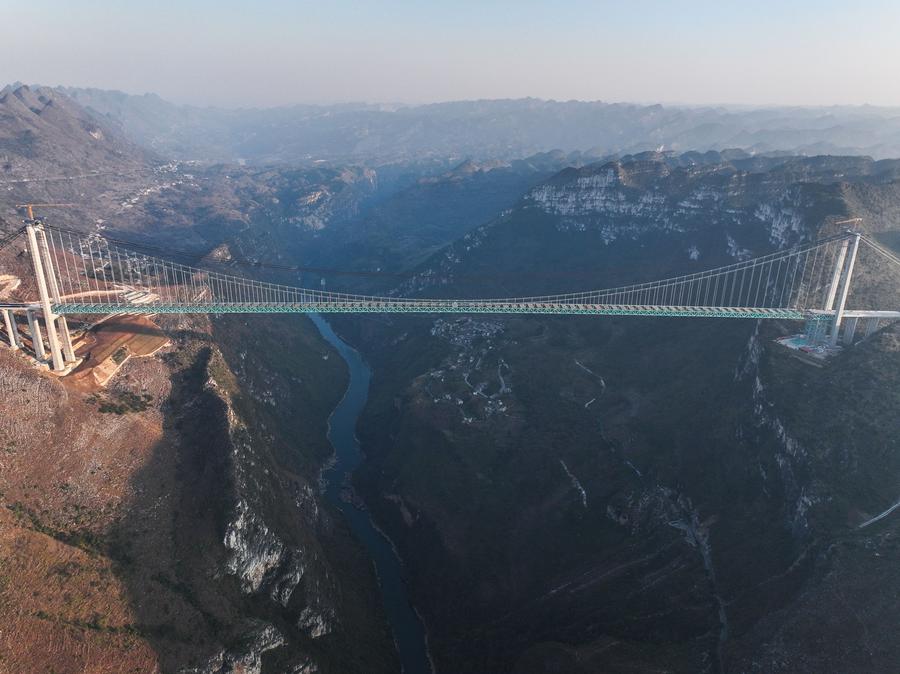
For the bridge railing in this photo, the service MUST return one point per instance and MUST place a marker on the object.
(92, 272)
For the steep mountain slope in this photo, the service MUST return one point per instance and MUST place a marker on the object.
(379, 221)
(573, 495)
(402, 230)
(484, 129)
(54, 151)
(42, 130)
(172, 522)
(584, 494)
(173, 131)
(167, 524)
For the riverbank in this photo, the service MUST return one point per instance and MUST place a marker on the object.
(408, 629)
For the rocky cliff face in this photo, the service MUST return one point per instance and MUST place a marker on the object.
(685, 474)
(174, 536)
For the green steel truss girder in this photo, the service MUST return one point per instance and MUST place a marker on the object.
(425, 307)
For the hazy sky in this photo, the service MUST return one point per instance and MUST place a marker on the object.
(275, 52)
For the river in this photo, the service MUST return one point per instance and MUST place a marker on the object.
(409, 633)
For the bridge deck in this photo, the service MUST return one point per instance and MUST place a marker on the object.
(430, 307)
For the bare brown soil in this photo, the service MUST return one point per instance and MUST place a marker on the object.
(65, 475)
(107, 346)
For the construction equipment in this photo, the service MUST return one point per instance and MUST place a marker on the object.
(29, 208)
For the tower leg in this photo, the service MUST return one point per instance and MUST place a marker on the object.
(37, 342)
(66, 339)
(836, 275)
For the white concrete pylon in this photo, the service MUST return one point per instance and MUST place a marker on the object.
(49, 318)
(845, 291)
(11, 331)
(66, 336)
(34, 329)
(61, 322)
(836, 276)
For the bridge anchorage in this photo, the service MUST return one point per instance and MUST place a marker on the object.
(78, 274)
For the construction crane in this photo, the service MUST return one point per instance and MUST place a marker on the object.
(850, 221)
(29, 208)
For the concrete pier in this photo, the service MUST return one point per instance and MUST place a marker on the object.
(871, 326)
(850, 331)
(11, 330)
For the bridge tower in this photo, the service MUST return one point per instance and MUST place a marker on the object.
(53, 287)
(58, 336)
(843, 275)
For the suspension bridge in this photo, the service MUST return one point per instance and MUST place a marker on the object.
(84, 274)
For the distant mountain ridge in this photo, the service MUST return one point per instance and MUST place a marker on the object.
(42, 129)
(486, 129)
(53, 150)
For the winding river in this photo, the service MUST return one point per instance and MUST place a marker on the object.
(409, 633)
